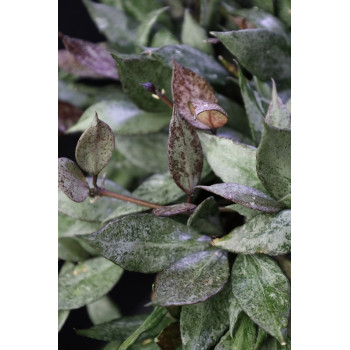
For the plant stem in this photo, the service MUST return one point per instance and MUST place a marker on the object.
(106, 193)
(165, 100)
(94, 180)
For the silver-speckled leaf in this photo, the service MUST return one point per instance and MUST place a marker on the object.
(95, 147)
(184, 153)
(246, 196)
(263, 292)
(181, 208)
(266, 233)
(72, 181)
(191, 279)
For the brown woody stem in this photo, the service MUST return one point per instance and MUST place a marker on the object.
(165, 100)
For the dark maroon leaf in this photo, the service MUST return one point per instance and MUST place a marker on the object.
(170, 337)
(184, 153)
(182, 208)
(68, 115)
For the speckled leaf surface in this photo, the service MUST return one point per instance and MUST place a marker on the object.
(230, 160)
(246, 196)
(244, 44)
(103, 310)
(273, 162)
(93, 56)
(175, 209)
(185, 154)
(263, 292)
(206, 219)
(146, 243)
(203, 324)
(86, 282)
(192, 279)
(62, 317)
(72, 181)
(95, 147)
(233, 312)
(243, 337)
(265, 233)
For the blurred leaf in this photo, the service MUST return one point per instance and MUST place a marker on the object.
(103, 310)
(72, 181)
(262, 335)
(185, 154)
(230, 160)
(206, 219)
(86, 282)
(170, 337)
(181, 208)
(146, 243)
(244, 44)
(284, 11)
(234, 312)
(203, 324)
(263, 292)
(265, 233)
(69, 227)
(191, 279)
(118, 28)
(69, 249)
(267, 5)
(62, 317)
(245, 195)
(95, 57)
(209, 13)
(244, 211)
(164, 37)
(272, 344)
(193, 34)
(68, 115)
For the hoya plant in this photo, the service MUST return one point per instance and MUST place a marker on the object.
(181, 170)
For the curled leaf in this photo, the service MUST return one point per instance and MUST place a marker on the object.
(182, 208)
(95, 147)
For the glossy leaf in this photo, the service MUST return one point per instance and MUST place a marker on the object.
(72, 181)
(234, 312)
(146, 243)
(203, 324)
(244, 44)
(246, 196)
(170, 337)
(206, 219)
(181, 208)
(93, 56)
(184, 153)
(263, 292)
(230, 160)
(191, 279)
(273, 162)
(62, 317)
(95, 147)
(86, 282)
(265, 233)
(103, 310)
(192, 34)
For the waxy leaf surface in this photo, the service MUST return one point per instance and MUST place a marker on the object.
(103, 310)
(191, 279)
(146, 243)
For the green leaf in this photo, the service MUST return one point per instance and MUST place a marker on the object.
(92, 210)
(262, 335)
(284, 11)
(146, 25)
(273, 162)
(150, 322)
(243, 338)
(206, 219)
(118, 28)
(234, 311)
(184, 153)
(209, 12)
(103, 310)
(192, 34)
(191, 279)
(140, 8)
(171, 210)
(203, 324)
(246, 196)
(146, 243)
(244, 211)
(62, 317)
(95, 147)
(268, 234)
(163, 37)
(124, 118)
(86, 282)
(267, 5)
(230, 160)
(69, 227)
(72, 181)
(263, 292)
(244, 44)
(272, 344)
(69, 249)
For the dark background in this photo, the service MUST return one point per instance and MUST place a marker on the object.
(133, 290)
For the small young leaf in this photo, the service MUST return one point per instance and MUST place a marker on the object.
(181, 208)
(84, 283)
(246, 196)
(184, 153)
(203, 324)
(268, 234)
(103, 310)
(95, 147)
(62, 317)
(263, 292)
(146, 243)
(72, 181)
(191, 279)
(93, 56)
